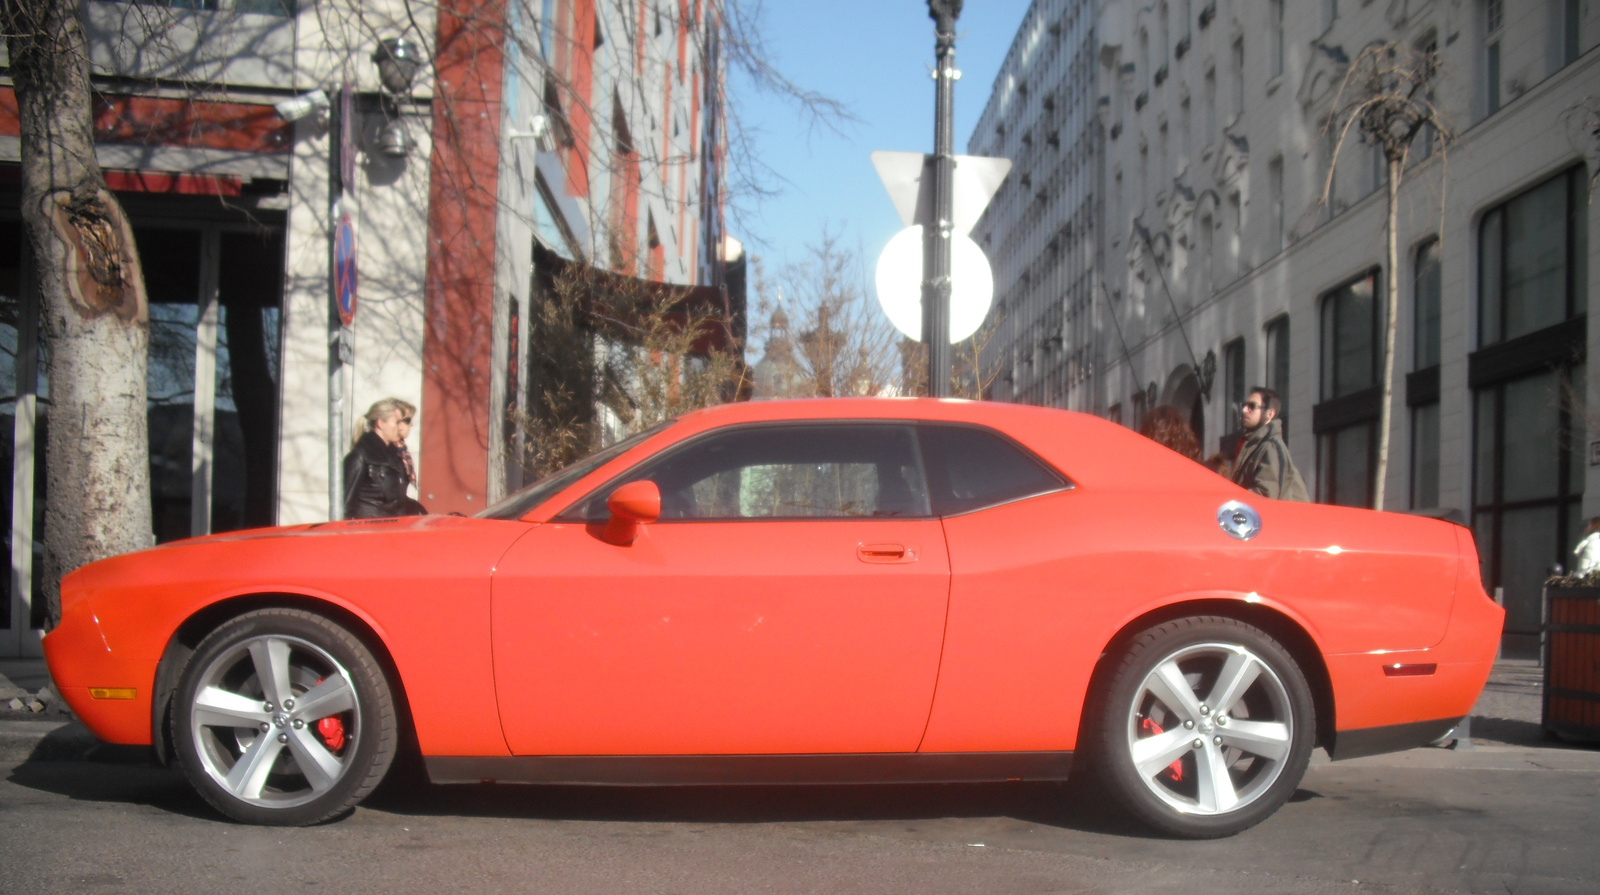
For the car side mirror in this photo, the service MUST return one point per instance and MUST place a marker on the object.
(631, 505)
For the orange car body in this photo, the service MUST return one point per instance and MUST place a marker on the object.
(984, 634)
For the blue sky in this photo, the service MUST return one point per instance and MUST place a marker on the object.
(874, 56)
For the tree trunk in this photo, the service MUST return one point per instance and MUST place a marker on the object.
(93, 315)
(1391, 316)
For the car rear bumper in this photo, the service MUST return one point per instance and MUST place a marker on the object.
(1385, 701)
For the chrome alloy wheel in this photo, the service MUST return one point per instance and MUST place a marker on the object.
(275, 721)
(1210, 729)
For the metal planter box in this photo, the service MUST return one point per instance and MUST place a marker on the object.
(1572, 663)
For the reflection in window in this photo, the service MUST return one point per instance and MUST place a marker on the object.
(784, 472)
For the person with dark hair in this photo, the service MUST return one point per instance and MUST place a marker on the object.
(1165, 426)
(1264, 464)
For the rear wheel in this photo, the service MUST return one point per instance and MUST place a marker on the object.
(283, 717)
(1207, 727)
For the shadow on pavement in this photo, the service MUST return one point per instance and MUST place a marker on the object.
(1062, 805)
(116, 774)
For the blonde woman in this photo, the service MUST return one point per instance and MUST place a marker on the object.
(377, 470)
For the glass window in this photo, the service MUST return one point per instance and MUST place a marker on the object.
(1277, 332)
(171, 262)
(1233, 382)
(783, 472)
(970, 468)
(1425, 348)
(1346, 474)
(1425, 456)
(1350, 351)
(1529, 272)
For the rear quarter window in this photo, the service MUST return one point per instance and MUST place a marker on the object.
(971, 467)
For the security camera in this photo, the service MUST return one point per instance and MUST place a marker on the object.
(296, 108)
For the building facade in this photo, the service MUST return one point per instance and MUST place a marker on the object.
(586, 129)
(1241, 243)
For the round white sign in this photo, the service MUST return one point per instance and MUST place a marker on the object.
(899, 281)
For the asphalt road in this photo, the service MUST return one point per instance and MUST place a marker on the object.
(1504, 817)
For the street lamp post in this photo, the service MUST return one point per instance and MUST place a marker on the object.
(937, 238)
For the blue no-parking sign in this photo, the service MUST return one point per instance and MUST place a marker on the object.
(344, 269)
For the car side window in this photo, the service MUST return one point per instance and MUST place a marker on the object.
(828, 470)
(970, 467)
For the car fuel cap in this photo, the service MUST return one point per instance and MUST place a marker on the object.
(1239, 520)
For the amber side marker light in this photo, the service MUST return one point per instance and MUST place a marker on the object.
(113, 692)
(1399, 670)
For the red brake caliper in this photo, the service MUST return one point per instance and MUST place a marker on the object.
(1174, 770)
(331, 729)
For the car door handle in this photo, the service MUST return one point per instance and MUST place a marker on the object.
(886, 553)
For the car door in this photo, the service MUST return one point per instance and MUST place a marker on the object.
(790, 599)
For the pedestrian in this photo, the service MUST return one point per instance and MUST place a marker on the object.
(1587, 553)
(378, 469)
(1165, 426)
(1264, 464)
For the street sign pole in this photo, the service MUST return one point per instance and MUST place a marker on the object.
(341, 291)
(937, 238)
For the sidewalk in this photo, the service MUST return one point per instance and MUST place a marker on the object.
(1508, 712)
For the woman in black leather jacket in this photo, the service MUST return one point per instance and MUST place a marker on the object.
(376, 474)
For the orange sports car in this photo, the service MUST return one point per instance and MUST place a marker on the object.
(858, 590)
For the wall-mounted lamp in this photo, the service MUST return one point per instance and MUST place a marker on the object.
(398, 61)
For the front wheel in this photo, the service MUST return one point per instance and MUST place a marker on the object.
(1207, 727)
(284, 718)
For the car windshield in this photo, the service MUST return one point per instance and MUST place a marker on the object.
(517, 505)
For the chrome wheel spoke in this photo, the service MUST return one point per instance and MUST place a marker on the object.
(1268, 739)
(216, 707)
(320, 767)
(332, 696)
(1215, 791)
(1239, 672)
(271, 659)
(1167, 684)
(248, 775)
(1152, 755)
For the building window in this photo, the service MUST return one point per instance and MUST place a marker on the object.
(1345, 420)
(1429, 46)
(1528, 387)
(1233, 386)
(1571, 30)
(1210, 121)
(1531, 261)
(1422, 386)
(1275, 203)
(1277, 362)
(1238, 77)
(1493, 24)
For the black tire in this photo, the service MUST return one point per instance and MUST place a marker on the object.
(1183, 767)
(283, 760)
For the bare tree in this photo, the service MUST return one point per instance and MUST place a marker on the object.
(842, 343)
(91, 290)
(617, 356)
(1386, 97)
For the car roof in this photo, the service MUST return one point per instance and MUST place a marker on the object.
(1091, 451)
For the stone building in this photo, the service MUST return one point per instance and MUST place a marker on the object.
(1222, 267)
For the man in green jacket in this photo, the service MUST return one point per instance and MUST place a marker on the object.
(1264, 464)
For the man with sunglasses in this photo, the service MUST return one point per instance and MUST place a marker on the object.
(1264, 464)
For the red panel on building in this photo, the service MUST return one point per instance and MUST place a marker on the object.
(459, 300)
